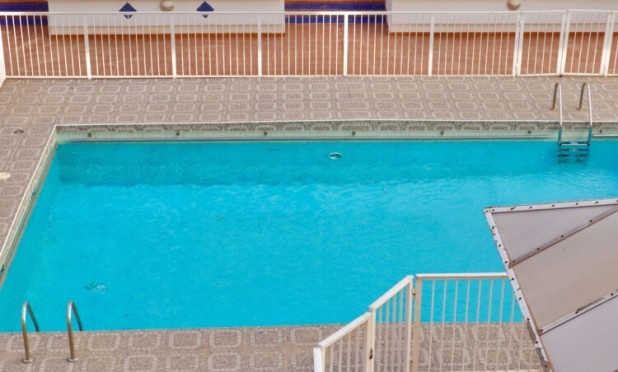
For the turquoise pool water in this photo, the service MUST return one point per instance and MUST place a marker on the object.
(170, 235)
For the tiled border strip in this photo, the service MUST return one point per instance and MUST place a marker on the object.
(415, 127)
(25, 204)
(322, 126)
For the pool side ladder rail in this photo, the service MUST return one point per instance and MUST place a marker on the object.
(25, 310)
(573, 147)
(71, 308)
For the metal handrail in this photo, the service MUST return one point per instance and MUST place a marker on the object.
(72, 308)
(586, 86)
(25, 310)
(391, 292)
(558, 99)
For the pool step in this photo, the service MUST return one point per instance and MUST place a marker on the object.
(577, 150)
(575, 144)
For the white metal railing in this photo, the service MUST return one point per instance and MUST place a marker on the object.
(378, 340)
(436, 322)
(470, 322)
(344, 348)
(147, 45)
(390, 320)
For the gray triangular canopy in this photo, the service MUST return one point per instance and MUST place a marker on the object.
(563, 261)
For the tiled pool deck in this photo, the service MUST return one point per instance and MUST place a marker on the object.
(30, 110)
(242, 349)
(272, 349)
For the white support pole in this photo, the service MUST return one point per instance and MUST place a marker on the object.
(607, 43)
(430, 57)
(409, 295)
(370, 340)
(319, 362)
(516, 51)
(564, 45)
(520, 44)
(259, 45)
(345, 44)
(2, 65)
(173, 40)
(87, 49)
(418, 292)
(561, 43)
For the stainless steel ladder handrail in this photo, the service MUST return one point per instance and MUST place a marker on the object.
(558, 99)
(25, 310)
(71, 308)
(586, 86)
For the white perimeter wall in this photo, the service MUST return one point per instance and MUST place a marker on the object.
(459, 16)
(105, 23)
(153, 5)
(496, 5)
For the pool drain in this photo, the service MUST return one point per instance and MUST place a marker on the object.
(96, 287)
(335, 155)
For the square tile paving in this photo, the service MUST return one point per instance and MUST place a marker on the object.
(226, 349)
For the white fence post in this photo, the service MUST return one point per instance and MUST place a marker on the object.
(259, 45)
(561, 43)
(87, 49)
(370, 340)
(319, 363)
(607, 44)
(410, 293)
(564, 43)
(521, 24)
(2, 65)
(516, 51)
(345, 44)
(418, 292)
(173, 42)
(431, 32)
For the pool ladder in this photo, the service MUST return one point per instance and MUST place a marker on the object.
(575, 145)
(27, 310)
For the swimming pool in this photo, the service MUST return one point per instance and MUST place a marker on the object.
(208, 234)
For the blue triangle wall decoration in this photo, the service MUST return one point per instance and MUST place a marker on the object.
(205, 7)
(128, 8)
